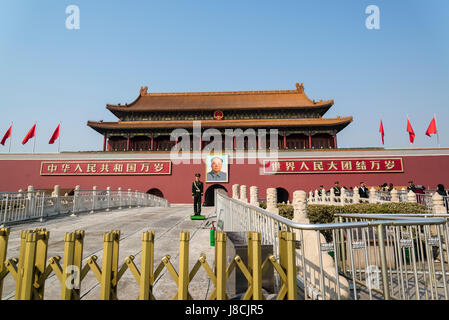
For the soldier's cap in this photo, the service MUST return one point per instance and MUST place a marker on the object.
(197, 175)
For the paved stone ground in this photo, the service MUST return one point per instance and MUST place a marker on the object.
(167, 224)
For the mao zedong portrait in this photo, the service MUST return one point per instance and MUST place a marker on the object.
(216, 174)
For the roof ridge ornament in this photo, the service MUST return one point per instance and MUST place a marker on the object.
(300, 88)
(144, 91)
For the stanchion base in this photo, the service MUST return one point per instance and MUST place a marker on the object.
(197, 217)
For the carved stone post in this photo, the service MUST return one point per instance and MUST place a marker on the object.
(235, 191)
(137, 199)
(343, 197)
(323, 196)
(332, 196)
(30, 193)
(130, 202)
(394, 195)
(94, 198)
(312, 252)
(254, 196)
(372, 195)
(411, 197)
(108, 194)
(119, 197)
(316, 197)
(57, 198)
(355, 195)
(438, 204)
(76, 199)
(31, 201)
(300, 207)
(272, 201)
(243, 193)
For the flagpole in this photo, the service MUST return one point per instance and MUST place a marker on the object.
(438, 134)
(59, 138)
(408, 120)
(383, 142)
(10, 138)
(35, 136)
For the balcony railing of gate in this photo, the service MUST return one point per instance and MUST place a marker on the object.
(354, 259)
(29, 205)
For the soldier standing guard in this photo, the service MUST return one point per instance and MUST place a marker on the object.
(197, 194)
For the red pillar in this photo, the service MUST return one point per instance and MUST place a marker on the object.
(335, 141)
(310, 142)
(234, 142)
(152, 144)
(128, 142)
(285, 141)
(104, 143)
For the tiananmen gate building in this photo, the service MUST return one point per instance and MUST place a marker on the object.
(136, 150)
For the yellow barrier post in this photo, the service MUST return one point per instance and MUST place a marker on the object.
(183, 277)
(146, 274)
(215, 252)
(291, 266)
(4, 236)
(23, 235)
(78, 260)
(106, 270)
(220, 258)
(114, 266)
(27, 275)
(69, 249)
(282, 249)
(250, 251)
(40, 263)
(255, 256)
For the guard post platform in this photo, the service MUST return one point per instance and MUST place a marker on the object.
(197, 217)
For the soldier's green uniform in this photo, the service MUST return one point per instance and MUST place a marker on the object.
(197, 193)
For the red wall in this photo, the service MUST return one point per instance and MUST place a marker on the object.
(424, 170)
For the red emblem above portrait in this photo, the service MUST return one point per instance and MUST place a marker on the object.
(218, 115)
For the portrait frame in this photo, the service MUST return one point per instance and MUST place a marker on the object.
(224, 168)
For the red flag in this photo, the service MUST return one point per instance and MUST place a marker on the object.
(382, 132)
(6, 136)
(432, 128)
(55, 135)
(410, 131)
(30, 134)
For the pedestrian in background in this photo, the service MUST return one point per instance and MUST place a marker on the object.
(337, 189)
(441, 191)
(363, 190)
(319, 190)
(411, 186)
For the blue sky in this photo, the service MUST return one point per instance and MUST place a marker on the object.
(50, 74)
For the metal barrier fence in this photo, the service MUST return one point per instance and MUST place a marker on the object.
(30, 270)
(417, 262)
(20, 206)
(29, 205)
(425, 200)
(354, 259)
